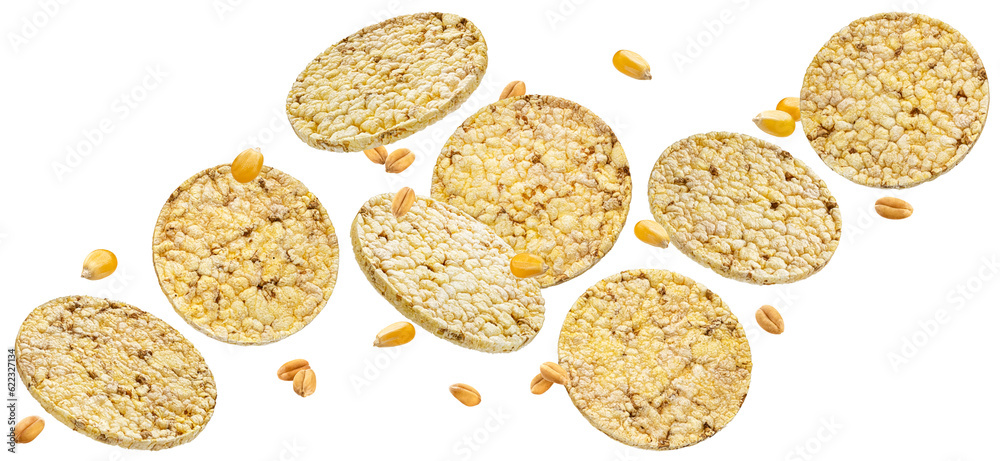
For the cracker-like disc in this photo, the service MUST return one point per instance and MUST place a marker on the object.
(744, 208)
(115, 373)
(245, 263)
(387, 81)
(655, 360)
(547, 174)
(894, 100)
(448, 273)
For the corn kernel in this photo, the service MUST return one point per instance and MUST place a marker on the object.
(775, 123)
(652, 232)
(99, 264)
(791, 106)
(631, 64)
(526, 265)
(247, 165)
(396, 334)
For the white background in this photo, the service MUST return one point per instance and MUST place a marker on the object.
(216, 75)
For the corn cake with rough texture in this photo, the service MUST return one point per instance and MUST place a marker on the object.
(894, 100)
(387, 81)
(448, 273)
(745, 208)
(245, 263)
(547, 174)
(115, 373)
(655, 360)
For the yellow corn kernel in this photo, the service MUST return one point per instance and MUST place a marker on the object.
(99, 264)
(652, 232)
(526, 265)
(247, 165)
(631, 64)
(775, 123)
(790, 105)
(396, 334)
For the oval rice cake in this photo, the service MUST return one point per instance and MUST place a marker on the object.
(115, 373)
(654, 359)
(387, 81)
(745, 208)
(547, 174)
(448, 273)
(245, 263)
(894, 100)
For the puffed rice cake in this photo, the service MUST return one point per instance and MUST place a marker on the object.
(245, 263)
(894, 100)
(387, 81)
(448, 273)
(115, 373)
(655, 360)
(547, 174)
(745, 208)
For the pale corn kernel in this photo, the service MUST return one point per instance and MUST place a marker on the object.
(397, 334)
(775, 123)
(791, 106)
(247, 165)
(527, 265)
(99, 264)
(652, 232)
(631, 64)
(402, 202)
(377, 155)
(513, 89)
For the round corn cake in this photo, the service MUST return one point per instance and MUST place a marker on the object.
(387, 81)
(894, 100)
(245, 263)
(744, 208)
(448, 273)
(547, 174)
(115, 373)
(655, 360)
